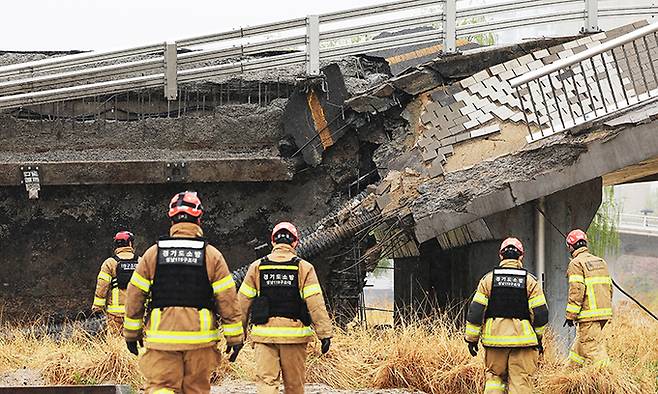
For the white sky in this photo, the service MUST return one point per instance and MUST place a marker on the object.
(109, 24)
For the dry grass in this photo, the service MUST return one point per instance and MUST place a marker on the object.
(424, 355)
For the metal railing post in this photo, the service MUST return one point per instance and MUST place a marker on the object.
(450, 26)
(171, 71)
(313, 45)
(591, 17)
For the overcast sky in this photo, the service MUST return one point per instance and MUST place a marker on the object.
(109, 24)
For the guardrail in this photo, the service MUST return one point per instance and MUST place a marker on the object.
(300, 41)
(638, 221)
(585, 86)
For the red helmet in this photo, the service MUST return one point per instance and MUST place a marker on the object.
(575, 236)
(123, 238)
(186, 202)
(511, 242)
(289, 227)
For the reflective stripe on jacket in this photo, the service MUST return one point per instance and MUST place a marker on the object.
(280, 329)
(506, 332)
(111, 300)
(590, 288)
(182, 328)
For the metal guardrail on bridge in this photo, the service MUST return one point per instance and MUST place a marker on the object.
(302, 41)
(582, 87)
(638, 223)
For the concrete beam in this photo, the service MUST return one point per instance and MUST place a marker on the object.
(255, 169)
(539, 170)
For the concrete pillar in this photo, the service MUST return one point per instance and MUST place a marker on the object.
(412, 288)
(455, 273)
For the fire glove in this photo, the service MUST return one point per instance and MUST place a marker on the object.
(132, 346)
(326, 343)
(540, 347)
(473, 348)
(235, 351)
(568, 322)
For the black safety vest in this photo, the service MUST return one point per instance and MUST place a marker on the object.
(279, 284)
(181, 278)
(124, 271)
(509, 294)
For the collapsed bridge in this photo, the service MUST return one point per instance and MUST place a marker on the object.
(403, 151)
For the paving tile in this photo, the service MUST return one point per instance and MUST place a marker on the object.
(497, 69)
(503, 113)
(467, 82)
(454, 89)
(489, 107)
(485, 131)
(475, 114)
(507, 75)
(433, 146)
(438, 94)
(511, 65)
(481, 76)
(433, 107)
(456, 129)
(584, 40)
(521, 70)
(476, 88)
(423, 142)
(550, 59)
(456, 106)
(446, 150)
(485, 118)
(517, 117)
(442, 133)
(427, 117)
(556, 49)
(525, 59)
(428, 155)
(540, 54)
(534, 65)
(447, 100)
(461, 95)
(471, 123)
(467, 109)
(598, 36)
(436, 168)
(448, 141)
(463, 137)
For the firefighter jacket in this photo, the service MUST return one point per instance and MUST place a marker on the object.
(283, 330)
(590, 288)
(106, 284)
(178, 328)
(530, 309)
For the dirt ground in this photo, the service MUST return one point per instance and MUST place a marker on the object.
(241, 387)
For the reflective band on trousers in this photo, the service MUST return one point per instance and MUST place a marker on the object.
(540, 330)
(571, 308)
(164, 391)
(223, 284)
(311, 290)
(575, 357)
(291, 332)
(248, 291)
(99, 301)
(132, 324)
(187, 337)
(278, 267)
(494, 384)
(232, 330)
(528, 338)
(116, 309)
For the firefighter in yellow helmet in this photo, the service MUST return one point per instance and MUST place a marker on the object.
(191, 294)
(282, 296)
(589, 305)
(113, 279)
(509, 302)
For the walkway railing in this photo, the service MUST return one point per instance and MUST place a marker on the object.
(628, 220)
(295, 42)
(586, 86)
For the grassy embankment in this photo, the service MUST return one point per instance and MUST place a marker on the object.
(426, 355)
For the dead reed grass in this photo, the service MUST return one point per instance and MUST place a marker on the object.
(427, 355)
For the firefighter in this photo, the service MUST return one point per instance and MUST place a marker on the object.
(589, 306)
(511, 304)
(113, 278)
(189, 285)
(282, 297)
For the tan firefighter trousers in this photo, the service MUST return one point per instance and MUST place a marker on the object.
(187, 371)
(589, 345)
(509, 370)
(274, 360)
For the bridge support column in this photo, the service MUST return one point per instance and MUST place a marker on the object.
(454, 273)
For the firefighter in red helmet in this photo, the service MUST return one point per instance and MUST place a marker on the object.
(113, 279)
(508, 315)
(589, 305)
(192, 294)
(283, 298)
